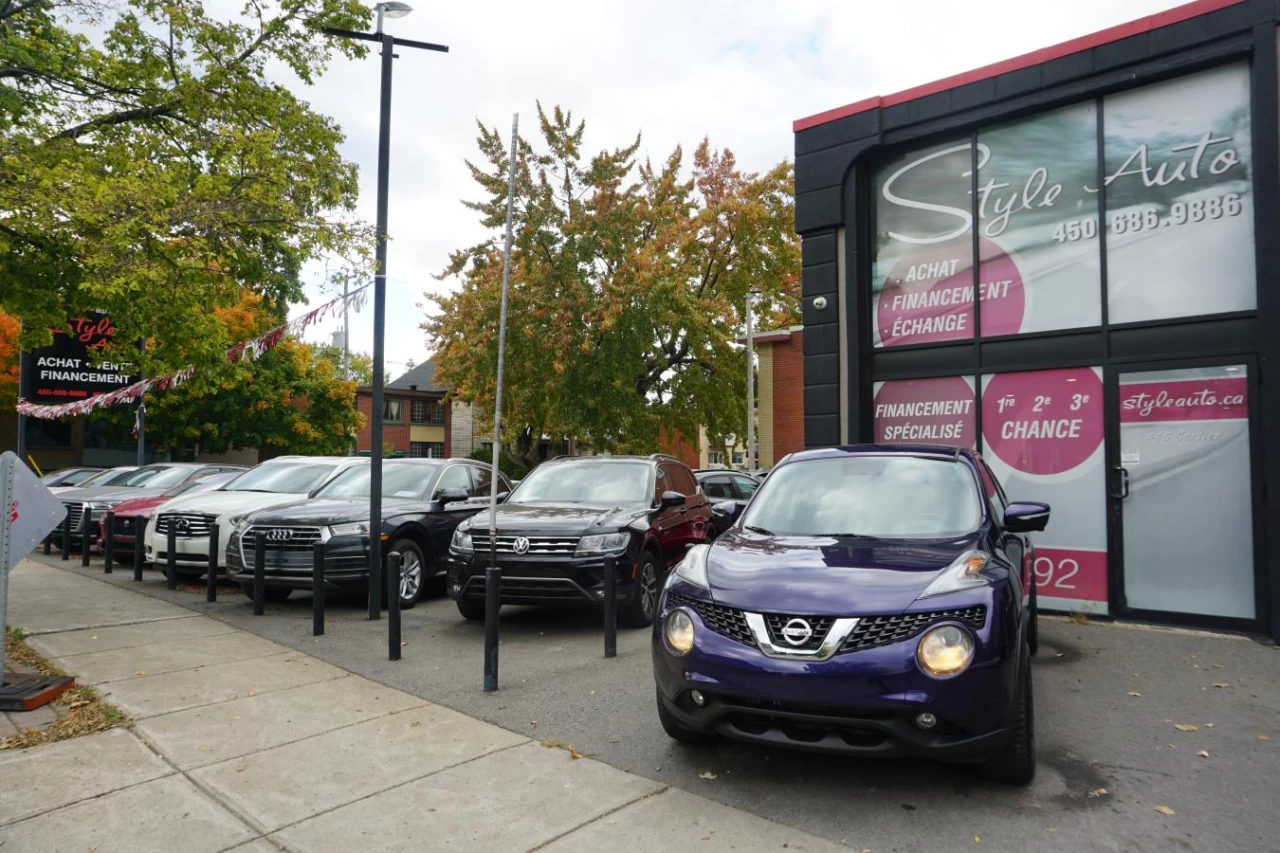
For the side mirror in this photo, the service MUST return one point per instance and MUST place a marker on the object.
(502, 496)
(451, 496)
(727, 511)
(1026, 517)
(671, 499)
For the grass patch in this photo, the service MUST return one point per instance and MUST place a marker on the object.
(1079, 617)
(83, 711)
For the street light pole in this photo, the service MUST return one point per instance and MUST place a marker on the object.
(390, 9)
(751, 393)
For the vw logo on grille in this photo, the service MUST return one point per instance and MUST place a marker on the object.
(521, 545)
(279, 535)
(797, 632)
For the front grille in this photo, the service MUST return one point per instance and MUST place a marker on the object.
(728, 621)
(874, 631)
(550, 589)
(186, 525)
(772, 706)
(124, 526)
(538, 545)
(75, 513)
(820, 625)
(286, 547)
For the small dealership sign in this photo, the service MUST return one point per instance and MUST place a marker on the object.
(67, 369)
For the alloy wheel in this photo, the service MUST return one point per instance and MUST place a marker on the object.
(410, 576)
(648, 588)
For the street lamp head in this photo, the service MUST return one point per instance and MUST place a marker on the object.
(394, 9)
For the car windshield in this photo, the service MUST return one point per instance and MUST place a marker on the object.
(398, 481)
(613, 483)
(204, 484)
(112, 477)
(892, 497)
(158, 478)
(70, 478)
(283, 478)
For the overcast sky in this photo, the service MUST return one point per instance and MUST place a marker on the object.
(737, 71)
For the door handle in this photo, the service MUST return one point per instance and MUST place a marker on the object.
(1122, 483)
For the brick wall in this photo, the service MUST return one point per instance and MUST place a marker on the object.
(675, 444)
(764, 405)
(462, 429)
(397, 435)
(788, 395)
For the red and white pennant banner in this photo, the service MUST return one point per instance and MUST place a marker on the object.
(250, 350)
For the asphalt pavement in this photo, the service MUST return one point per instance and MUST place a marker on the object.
(1109, 701)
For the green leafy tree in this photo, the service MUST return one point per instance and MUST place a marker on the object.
(360, 364)
(154, 172)
(629, 282)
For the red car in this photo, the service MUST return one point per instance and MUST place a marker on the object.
(132, 516)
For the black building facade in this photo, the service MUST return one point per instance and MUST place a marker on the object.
(1068, 261)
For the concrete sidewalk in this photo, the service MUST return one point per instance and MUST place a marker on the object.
(242, 744)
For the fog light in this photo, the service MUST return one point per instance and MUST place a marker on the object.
(945, 651)
(926, 721)
(698, 698)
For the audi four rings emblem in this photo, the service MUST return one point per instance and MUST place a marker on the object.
(279, 535)
(797, 632)
(521, 545)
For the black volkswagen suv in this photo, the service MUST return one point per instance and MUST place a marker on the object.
(423, 500)
(560, 524)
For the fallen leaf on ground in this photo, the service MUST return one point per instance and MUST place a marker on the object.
(1134, 693)
(1208, 725)
(1263, 738)
(706, 775)
(1060, 655)
(573, 753)
(1203, 753)
(977, 839)
(141, 672)
(1165, 810)
(1098, 792)
(533, 724)
(94, 637)
(1221, 684)
(1187, 727)
(552, 743)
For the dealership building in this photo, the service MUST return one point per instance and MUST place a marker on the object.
(1068, 262)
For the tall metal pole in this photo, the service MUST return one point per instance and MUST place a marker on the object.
(493, 575)
(751, 393)
(379, 324)
(346, 331)
(142, 413)
(23, 376)
(6, 498)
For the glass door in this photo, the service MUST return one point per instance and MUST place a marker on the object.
(1183, 490)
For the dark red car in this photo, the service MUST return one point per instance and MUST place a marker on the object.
(132, 516)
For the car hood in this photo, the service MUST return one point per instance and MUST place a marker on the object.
(827, 576)
(143, 506)
(335, 511)
(559, 518)
(220, 503)
(107, 493)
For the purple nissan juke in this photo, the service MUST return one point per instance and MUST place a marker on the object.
(869, 601)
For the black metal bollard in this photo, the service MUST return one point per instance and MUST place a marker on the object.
(86, 532)
(610, 607)
(171, 559)
(48, 544)
(108, 541)
(393, 605)
(259, 573)
(66, 537)
(211, 581)
(492, 606)
(375, 583)
(317, 589)
(139, 557)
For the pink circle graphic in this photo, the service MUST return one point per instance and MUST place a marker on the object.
(926, 411)
(1044, 421)
(928, 296)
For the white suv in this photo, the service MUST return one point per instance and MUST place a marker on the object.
(277, 482)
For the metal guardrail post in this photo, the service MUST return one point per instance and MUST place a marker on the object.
(393, 605)
(171, 559)
(259, 573)
(211, 581)
(139, 557)
(66, 537)
(108, 541)
(317, 589)
(86, 531)
(610, 607)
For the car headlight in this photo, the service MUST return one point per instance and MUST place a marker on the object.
(100, 505)
(604, 543)
(679, 632)
(462, 541)
(239, 523)
(964, 573)
(693, 568)
(945, 651)
(354, 528)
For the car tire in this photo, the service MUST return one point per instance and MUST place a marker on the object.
(1015, 763)
(675, 730)
(409, 554)
(644, 597)
(270, 594)
(1033, 623)
(471, 612)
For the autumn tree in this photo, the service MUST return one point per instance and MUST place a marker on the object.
(360, 364)
(629, 282)
(150, 169)
(9, 367)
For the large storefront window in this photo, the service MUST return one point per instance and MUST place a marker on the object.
(1179, 198)
(926, 411)
(1042, 435)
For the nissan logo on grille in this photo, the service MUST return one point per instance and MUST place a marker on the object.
(279, 535)
(797, 632)
(521, 545)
